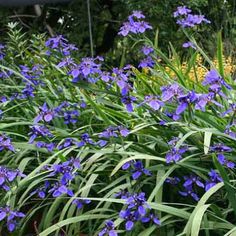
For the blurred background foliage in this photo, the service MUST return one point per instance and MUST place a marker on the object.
(72, 20)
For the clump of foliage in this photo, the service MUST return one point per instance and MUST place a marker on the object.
(88, 149)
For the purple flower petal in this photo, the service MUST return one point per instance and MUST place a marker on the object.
(181, 108)
(129, 225)
(136, 174)
(2, 215)
(142, 210)
(11, 226)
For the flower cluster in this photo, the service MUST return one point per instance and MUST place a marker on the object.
(32, 80)
(69, 112)
(137, 211)
(193, 183)
(188, 20)
(134, 25)
(61, 175)
(148, 61)
(189, 186)
(59, 44)
(174, 94)
(88, 70)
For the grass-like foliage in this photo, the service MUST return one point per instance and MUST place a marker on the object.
(91, 150)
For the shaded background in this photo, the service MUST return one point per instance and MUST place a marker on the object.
(93, 24)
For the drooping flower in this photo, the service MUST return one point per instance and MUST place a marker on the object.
(105, 76)
(171, 115)
(5, 143)
(71, 116)
(49, 146)
(171, 91)
(220, 149)
(204, 99)
(230, 131)
(146, 50)
(191, 180)
(2, 53)
(108, 230)
(189, 191)
(85, 139)
(7, 176)
(80, 202)
(27, 92)
(222, 160)
(175, 154)
(128, 102)
(172, 180)
(147, 62)
(113, 131)
(58, 189)
(137, 169)
(232, 109)
(41, 191)
(121, 78)
(151, 217)
(214, 179)
(185, 101)
(189, 45)
(68, 142)
(39, 131)
(11, 217)
(130, 217)
(215, 81)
